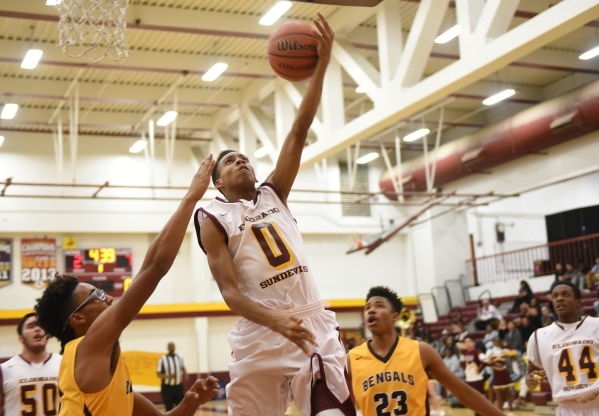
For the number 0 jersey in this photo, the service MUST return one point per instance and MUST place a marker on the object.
(395, 384)
(568, 353)
(30, 388)
(266, 248)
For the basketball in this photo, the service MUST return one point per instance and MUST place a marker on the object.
(292, 51)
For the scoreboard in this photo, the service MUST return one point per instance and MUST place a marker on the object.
(109, 269)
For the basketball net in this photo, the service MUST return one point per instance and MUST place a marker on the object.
(94, 28)
(357, 241)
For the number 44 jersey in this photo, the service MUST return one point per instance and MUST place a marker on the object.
(266, 249)
(30, 388)
(568, 353)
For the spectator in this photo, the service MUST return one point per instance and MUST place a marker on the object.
(451, 360)
(172, 372)
(502, 328)
(535, 318)
(473, 365)
(488, 314)
(546, 313)
(490, 335)
(451, 344)
(524, 295)
(526, 329)
(562, 278)
(534, 303)
(559, 271)
(592, 277)
(458, 331)
(549, 298)
(513, 338)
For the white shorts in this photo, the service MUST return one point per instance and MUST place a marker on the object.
(265, 364)
(569, 408)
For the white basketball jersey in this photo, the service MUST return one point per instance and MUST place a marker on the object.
(569, 354)
(29, 388)
(266, 248)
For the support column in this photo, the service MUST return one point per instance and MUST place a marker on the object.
(284, 112)
(247, 136)
(333, 112)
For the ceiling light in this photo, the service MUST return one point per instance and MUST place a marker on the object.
(9, 111)
(1, 140)
(416, 135)
(449, 34)
(589, 54)
(215, 71)
(361, 89)
(31, 58)
(53, 2)
(167, 118)
(138, 146)
(273, 14)
(263, 151)
(367, 158)
(494, 99)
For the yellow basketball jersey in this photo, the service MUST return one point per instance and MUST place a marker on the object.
(115, 399)
(391, 385)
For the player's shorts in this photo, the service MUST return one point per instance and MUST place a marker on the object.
(265, 365)
(570, 408)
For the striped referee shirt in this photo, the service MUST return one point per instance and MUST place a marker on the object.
(171, 365)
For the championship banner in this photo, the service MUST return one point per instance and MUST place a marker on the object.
(142, 367)
(5, 261)
(38, 261)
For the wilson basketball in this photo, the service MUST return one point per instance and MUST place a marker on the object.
(292, 51)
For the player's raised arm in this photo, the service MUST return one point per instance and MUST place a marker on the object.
(106, 329)
(434, 365)
(291, 152)
(221, 266)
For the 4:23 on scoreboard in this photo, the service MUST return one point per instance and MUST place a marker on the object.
(106, 268)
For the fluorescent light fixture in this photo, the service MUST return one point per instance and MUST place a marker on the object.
(494, 99)
(589, 54)
(215, 71)
(416, 135)
(9, 111)
(31, 58)
(449, 34)
(367, 158)
(263, 151)
(53, 2)
(167, 118)
(273, 14)
(138, 146)
(360, 89)
(1, 140)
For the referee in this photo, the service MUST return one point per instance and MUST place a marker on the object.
(172, 372)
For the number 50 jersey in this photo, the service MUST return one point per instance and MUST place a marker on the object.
(30, 388)
(391, 385)
(266, 248)
(568, 353)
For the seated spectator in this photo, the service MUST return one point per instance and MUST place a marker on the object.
(450, 343)
(490, 335)
(524, 295)
(575, 276)
(487, 314)
(502, 328)
(452, 361)
(559, 271)
(458, 331)
(562, 278)
(535, 318)
(546, 312)
(526, 329)
(513, 338)
(592, 277)
(534, 303)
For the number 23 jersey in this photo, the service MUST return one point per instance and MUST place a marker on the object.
(568, 353)
(391, 385)
(30, 388)
(266, 248)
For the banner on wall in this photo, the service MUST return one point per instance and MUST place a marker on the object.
(142, 367)
(38, 261)
(5, 261)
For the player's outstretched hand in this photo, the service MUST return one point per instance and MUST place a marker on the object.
(201, 179)
(534, 378)
(203, 391)
(291, 328)
(325, 37)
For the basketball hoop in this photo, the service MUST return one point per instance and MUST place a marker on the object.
(358, 242)
(94, 28)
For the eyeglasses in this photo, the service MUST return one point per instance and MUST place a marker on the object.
(96, 293)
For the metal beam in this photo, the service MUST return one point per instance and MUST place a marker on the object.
(548, 26)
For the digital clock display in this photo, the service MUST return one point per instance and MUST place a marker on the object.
(105, 268)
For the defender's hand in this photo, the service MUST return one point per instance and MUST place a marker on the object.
(203, 391)
(291, 328)
(534, 378)
(201, 179)
(325, 37)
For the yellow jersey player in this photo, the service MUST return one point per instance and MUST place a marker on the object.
(389, 373)
(93, 378)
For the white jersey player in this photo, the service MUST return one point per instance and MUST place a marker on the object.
(30, 379)
(257, 258)
(565, 353)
